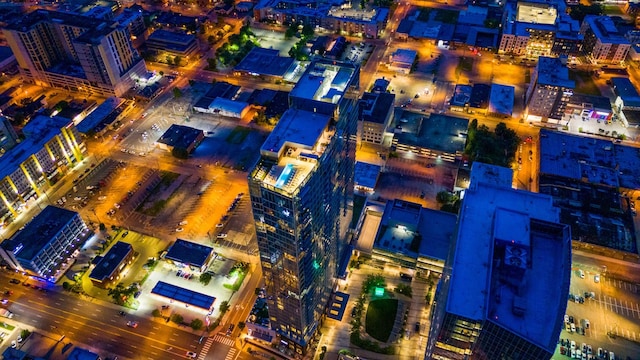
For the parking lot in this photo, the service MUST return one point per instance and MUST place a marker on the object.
(605, 313)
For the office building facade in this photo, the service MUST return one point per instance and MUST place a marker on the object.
(503, 293)
(46, 246)
(299, 192)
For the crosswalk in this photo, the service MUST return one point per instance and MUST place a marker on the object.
(222, 340)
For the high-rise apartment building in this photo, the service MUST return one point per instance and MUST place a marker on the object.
(299, 192)
(74, 52)
(503, 292)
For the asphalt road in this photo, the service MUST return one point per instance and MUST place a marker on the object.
(83, 321)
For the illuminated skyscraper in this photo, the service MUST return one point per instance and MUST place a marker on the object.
(299, 192)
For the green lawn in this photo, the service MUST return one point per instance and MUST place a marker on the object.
(239, 279)
(380, 318)
(238, 135)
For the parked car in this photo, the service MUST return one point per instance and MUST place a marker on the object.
(222, 236)
(132, 324)
(191, 355)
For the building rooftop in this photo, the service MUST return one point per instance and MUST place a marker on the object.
(40, 130)
(366, 175)
(179, 136)
(536, 13)
(99, 118)
(605, 29)
(502, 99)
(293, 148)
(551, 71)
(461, 95)
(623, 87)
(436, 131)
(263, 61)
(325, 81)
(365, 15)
(28, 242)
(374, 107)
(110, 262)
(408, 228)
(183, 295)
(171, 37)
(404, 56)
(589, 159)
(591, 101)
(512, 261)
(25, 22)
(189, 253)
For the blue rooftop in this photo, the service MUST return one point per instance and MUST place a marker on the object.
(596, 160)
(510, 239)
(551, 71)
(605, 29)
(189, 253)
(623, 87)
(183, 295)
(298, 128)
(325, 81)
(111, 261)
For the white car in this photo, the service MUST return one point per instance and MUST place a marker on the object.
(183, 223)
(179, 229)
(116, 205)
(222, 236)
(596, 278)
(219, 225)
(191, 355)
(102, 198)
(5, 301)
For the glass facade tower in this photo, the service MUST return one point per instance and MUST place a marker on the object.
(299, 191)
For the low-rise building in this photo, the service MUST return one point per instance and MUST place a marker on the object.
(402, 60)
(585, 176)
(603, 42)
(627, 102)
(434, 136)
(501, 100)
(191, 255)
(375, 115)
(172, 43)
(102, 116)
(180, 138)
(109, 266)
(47, 246)
(413, 239)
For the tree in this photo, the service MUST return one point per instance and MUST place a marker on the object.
(307, 31)
(177, 93)
(443, 197)
(224, 306)
(241, 325)
(205, 278)
(192, 82)
(579, 12)
(196, 324)
(291, 31)
(156, 313)
(180, 153)
(66, 286)
(177, 318)
(169, 60)
(212, 64)
(372, 281)
(177, 60)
